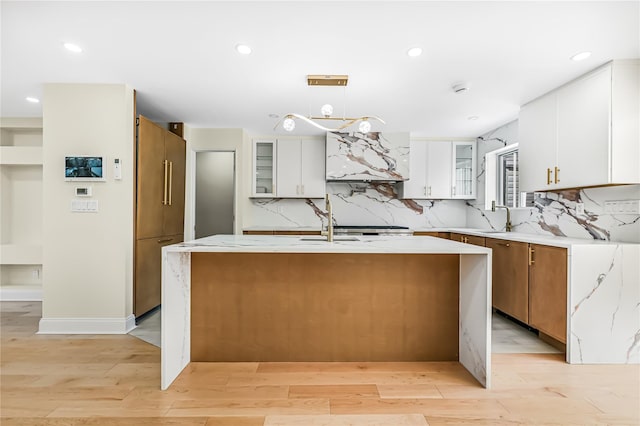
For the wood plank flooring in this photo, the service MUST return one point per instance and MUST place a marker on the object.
(114, 380)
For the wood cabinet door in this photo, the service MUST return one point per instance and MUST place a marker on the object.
(468, 239)
(548, 291)
(510, 277)
(175, 153)
(148, 271)
(150, 180)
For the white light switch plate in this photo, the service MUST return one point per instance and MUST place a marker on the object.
(84, 206)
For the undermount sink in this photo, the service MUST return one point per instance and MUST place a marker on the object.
(335, 238)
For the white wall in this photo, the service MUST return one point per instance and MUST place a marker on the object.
(88, 257)
(218, 140)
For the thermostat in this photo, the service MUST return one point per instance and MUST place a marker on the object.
(83, 191)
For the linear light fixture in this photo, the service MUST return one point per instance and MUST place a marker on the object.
(289, 123)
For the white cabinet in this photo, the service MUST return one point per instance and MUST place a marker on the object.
(300, 168)
(289, 168)
(464, 170)
(21, 209)
(585, 133)
(264, 166)
(440, 170)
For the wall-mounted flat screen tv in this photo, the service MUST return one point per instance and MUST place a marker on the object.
(84, 167)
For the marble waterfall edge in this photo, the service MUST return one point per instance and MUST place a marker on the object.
(604, 305)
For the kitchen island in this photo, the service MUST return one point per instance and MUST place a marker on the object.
(288, 298)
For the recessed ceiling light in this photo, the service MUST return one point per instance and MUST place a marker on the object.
(472, 117)
(274, 116)
(32, 100)
(243, 49)
(72, 47)
(414, 51)
(580, 56)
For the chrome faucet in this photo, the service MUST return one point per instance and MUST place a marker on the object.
(329, 231)
(508, 225)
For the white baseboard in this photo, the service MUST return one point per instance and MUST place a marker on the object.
(87, 325)
(17, 294)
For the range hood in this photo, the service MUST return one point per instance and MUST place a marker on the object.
(367, 157)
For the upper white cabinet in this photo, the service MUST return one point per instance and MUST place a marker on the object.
(300, 168)
(264, 166)
(586, 133)
(464, 170)
(289, 168)
(440, 170)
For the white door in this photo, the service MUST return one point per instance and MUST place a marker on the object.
(288, 168)
(537, 143)
(583, 131)
(416, 186)
(439, 162)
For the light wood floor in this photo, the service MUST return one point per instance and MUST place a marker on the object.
(114, 380)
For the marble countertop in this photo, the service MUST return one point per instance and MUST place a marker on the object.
(317, 244)
(549, 240)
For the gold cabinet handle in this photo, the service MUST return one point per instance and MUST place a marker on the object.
(164, 240)
(170, 181)
(531, 252)
(429, 191)
(557, 175)
(164, 196)
(548, 176)
(505, 244)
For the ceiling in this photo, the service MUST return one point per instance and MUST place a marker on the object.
(181, 57)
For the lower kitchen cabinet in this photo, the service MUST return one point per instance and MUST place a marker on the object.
(468, 239)
(445, 235)
(148, 271)
(511, 277)
(548, 291)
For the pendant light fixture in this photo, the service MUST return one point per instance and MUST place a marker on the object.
(289, 120)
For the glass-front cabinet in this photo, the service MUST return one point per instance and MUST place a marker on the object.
(264, 165)
(464, 166)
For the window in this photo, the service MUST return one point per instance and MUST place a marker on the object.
(502, 182)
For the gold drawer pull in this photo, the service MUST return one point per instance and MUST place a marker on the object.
(557, 174)
(531, 252)
(164, 240)
(505, 244)
(548, 176)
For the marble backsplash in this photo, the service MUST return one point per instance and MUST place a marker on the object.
(378, 204)
(360, 204)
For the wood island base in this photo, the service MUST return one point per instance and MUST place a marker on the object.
(324, 307)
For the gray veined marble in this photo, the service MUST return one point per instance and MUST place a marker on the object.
(370, 156)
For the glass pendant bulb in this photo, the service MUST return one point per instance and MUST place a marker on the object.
(289, 124)
(364, 126)
(326, 110)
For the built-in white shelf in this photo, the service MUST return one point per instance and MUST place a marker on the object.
(20, 155)
(20, 254)
(20, 293)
